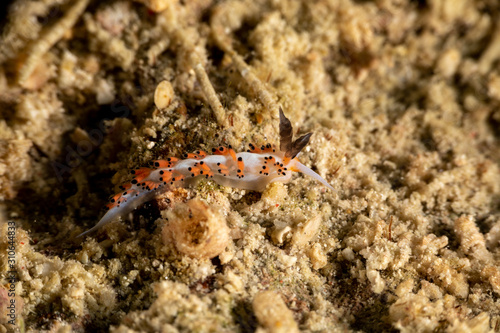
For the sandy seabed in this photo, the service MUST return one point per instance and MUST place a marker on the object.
(402, 97)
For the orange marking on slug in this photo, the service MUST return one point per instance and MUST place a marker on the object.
(204, 166)
(265, 170)
(241, 164)
(140, 174)
(225, 151)
(219, 151)
(138, 179)
(141, 171)
(269, 148)
(149, 185)
(201, 154)
(161, 164)
(195, 171)
(111, 205)
(165, 176)
(115, 198)
(178, 177)
(125, 187)
(241, 167)
(253, 148)
(222, 169)
(195, 156)
(231, 152)
(270, 160)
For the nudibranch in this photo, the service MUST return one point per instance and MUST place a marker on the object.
(250, 170)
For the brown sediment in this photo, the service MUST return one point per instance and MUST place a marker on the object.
(402, 99)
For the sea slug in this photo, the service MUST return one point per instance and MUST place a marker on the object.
(250, 170)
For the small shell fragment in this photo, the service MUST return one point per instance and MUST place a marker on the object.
(164, 94)
(156, 6)
(273, 314)
(317, 256)
(278, 235)
(307, 231)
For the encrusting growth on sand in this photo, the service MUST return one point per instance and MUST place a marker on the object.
(196, 229)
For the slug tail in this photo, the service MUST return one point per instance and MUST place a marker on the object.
(121, 210)
(305, 170)
(108, 217)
